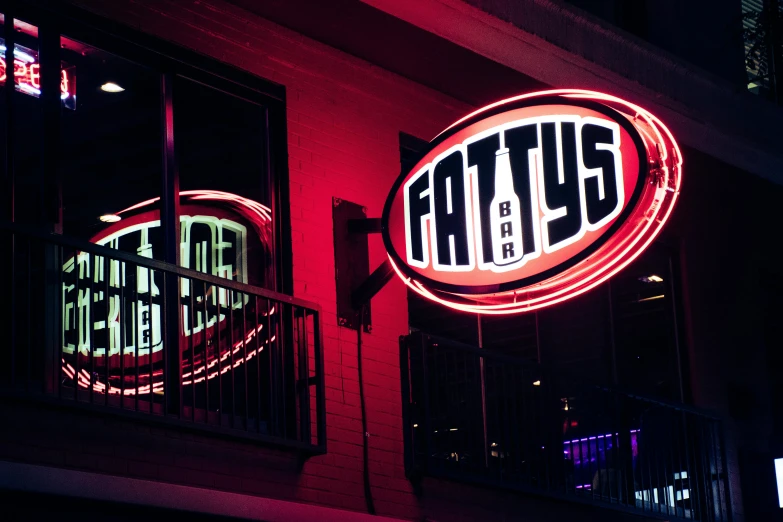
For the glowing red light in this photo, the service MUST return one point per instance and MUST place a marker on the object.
(550, 275)
(27, 74)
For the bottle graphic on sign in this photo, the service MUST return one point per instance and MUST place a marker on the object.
(504, 214)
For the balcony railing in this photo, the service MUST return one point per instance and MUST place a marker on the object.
(483, 417)
(91, 326)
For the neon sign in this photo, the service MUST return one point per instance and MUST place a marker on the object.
(27, 74)
(531, 201)
(114, 311)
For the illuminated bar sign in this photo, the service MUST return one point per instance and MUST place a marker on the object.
(531, 201)
(27, 74)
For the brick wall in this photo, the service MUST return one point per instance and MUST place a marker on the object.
(344, 118)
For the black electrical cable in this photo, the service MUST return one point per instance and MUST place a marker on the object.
(365, 434)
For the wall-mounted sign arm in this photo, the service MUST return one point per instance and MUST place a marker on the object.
(382, 275)
(364, 226)
(354, 284)
(372, 285)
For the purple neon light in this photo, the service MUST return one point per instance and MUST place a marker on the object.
(608, 436)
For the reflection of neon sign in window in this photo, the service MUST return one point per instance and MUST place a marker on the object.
(210, 245)
(113, 310)
(27, 74)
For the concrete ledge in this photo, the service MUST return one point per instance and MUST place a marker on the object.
(93, 486)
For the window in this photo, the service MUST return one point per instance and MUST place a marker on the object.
(113, 167)
(111, 151)
(220, 140)
(28, 125)
(631, 16)
(162, 289)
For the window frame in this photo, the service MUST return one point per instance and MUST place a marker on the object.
(169, 60)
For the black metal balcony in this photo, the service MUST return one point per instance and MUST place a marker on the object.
(90, 326)
(483, 417)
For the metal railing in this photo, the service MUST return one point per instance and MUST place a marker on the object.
(92, 326)
(483, 417)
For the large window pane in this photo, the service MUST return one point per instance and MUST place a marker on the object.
(27, 123)
(225, 231)
(106, 319)
(226, 226)
(6, 201)
(111, 166)
(111, 152)
(647, 357)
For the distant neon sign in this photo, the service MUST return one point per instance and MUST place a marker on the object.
(27, 74)
(531, 201)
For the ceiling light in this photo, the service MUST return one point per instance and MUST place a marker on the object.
(111, 87)
(536, 383)
(651, 279)
(110, 218)
(653, 298)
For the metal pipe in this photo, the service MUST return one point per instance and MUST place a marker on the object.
(483, 391)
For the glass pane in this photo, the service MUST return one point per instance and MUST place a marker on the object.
(111, 165)
(644, 326)
(226, 221)
(225, 231)
(433, 318)
(574, 336)
(111, 160)
(5, 187)
(27, 122)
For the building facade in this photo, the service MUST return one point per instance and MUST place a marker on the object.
(189, 228)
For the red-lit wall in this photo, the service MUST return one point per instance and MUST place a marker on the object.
(344, 119)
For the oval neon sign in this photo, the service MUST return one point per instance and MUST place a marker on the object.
(531, 201)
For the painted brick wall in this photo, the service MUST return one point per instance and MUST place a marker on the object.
(344, 119)
(344, 116)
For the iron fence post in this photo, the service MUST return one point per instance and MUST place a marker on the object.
(407, 423)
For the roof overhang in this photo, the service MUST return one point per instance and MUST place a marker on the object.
(703, 111)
